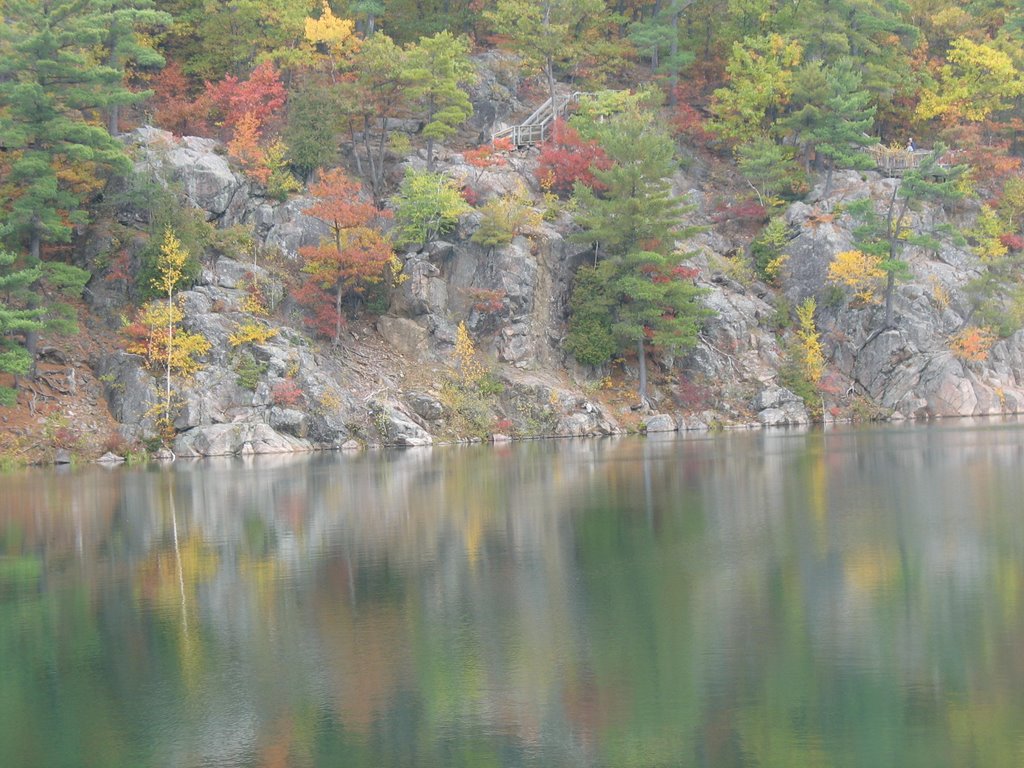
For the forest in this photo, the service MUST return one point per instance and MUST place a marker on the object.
(310, 97)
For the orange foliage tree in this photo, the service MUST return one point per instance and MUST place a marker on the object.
(354, 256)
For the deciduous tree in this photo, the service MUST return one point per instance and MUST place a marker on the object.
(427, 205)
(355, 255)
(548, 33)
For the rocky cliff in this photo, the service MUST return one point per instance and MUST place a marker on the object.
(385, 383)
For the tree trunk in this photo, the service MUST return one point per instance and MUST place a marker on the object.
(32, 336)
(890, 283)
(430, 141)
(673, 80)
(641, 357)
(170, 351)
(549, 70)
(337, 316)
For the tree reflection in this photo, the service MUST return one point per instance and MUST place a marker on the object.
(770, 599)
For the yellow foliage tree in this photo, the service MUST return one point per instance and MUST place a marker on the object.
(335, 34)
(251, 332)
(469, 369)
(986, 232)
(977, 80)
(813, 361)
(175, 354)
(860, 272)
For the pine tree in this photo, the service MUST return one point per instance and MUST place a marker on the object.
(883, 233)
(50, 84)
(840, 131)
(636, 208)
(16, 320)
(637, 292)
(438, 70)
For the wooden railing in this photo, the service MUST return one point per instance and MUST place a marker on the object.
(895, 162)
(535, 128)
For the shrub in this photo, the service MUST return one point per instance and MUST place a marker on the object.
(972, 344)
(569, 159)
(287, 393)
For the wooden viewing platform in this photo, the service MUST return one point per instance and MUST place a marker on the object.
(894, 162)
(535, 128)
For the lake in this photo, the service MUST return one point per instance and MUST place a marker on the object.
(853, 597)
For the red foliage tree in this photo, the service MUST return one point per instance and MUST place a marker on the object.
(261, 96)
(356, 255)
(569, 159)
(175, 107)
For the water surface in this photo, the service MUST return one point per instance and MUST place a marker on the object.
(847, 598)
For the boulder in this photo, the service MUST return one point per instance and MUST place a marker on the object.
(778, 407)
(289, 421)
(402, 334)
(660, 422)
(425, 406)
(398, 428)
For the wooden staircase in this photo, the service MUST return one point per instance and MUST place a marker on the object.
(536, 127)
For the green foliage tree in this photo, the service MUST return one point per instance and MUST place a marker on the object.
(636, 293)
(438, 70)
(214, 38)
(126, 44)
(373, 92)
(311, 132)
(548, 33)
(427, 205)
(657, 36)
(15, 320)
(760, 72)
(884, 234)
(50, 85)
(770, 169)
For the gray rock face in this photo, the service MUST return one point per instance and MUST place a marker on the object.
(235, 439)
(811, 252)
(198, 164)
(908, 371)
(398, 428)
(131, 391)
(405, 335)
(778, 407)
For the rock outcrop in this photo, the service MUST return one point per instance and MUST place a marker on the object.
(388, 383)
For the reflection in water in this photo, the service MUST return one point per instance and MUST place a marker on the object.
(761, 599)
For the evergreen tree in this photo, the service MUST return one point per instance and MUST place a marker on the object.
(50, 86)
(839, 132)
(15, 320)
(883, 233)
(636, 209)
(438, 69)
(125, 45)
(636, 293)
